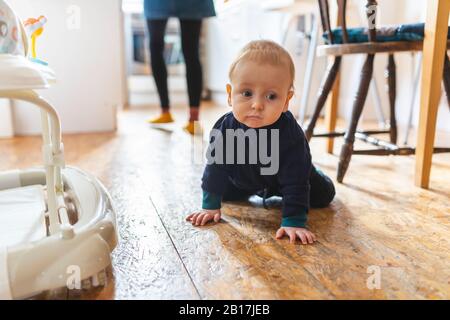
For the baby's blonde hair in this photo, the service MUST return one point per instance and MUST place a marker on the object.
(265, 51)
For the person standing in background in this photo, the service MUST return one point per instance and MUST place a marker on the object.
(190, 14)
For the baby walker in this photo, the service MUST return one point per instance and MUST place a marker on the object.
(57, 223)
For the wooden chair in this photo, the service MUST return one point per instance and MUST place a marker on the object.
(337, 49)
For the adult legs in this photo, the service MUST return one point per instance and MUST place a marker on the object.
(157, 29)
(190, 41)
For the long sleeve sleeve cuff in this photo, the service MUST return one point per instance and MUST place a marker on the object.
(294, 221)
(211, 201)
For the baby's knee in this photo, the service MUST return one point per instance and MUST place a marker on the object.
(330, 194)
(325, 196)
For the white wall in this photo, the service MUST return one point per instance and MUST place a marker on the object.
(88, 60)
(237, 23)
(6, 127)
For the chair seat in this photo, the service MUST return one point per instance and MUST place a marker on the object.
(370, 48)
(19, 73)
(397, 33)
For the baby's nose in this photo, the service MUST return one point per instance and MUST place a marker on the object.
(258, 105)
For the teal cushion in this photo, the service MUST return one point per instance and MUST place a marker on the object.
(405, 32)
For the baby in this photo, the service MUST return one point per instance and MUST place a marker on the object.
(261, 86)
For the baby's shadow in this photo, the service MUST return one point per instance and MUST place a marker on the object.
(252, 213)
(250, 217)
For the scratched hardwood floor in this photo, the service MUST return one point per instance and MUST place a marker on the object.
(378, 221)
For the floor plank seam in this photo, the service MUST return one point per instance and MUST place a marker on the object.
(176, 249)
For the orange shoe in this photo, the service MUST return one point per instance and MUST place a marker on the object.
(165, 117)
(193, 128)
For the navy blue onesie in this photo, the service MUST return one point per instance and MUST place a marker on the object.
(290, 173)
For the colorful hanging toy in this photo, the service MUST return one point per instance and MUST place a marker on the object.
(35, 27)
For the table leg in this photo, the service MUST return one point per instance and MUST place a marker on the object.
(434, 47)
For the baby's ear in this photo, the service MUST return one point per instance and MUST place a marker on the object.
(229, 94)
(289, 97)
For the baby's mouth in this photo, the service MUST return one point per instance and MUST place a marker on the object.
(254, 117)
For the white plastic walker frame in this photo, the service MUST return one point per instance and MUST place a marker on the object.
(57, 224)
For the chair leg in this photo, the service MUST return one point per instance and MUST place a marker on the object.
(446, 78)
(358, 104)
(324, 90)
(392, 83)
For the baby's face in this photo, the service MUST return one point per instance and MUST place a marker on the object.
(259, 93)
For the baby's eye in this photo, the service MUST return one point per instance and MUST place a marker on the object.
(271, 96)
(247, 93)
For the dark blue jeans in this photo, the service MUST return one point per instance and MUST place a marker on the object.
(321, 194)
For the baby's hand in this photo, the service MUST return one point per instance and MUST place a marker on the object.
(303, 234)
(202, 217)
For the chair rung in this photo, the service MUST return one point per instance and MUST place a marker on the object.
(341, 134)
(396, 152)
(385, 152)
(329, 135)
(376, 142)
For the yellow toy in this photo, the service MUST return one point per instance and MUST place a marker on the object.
(35, 27)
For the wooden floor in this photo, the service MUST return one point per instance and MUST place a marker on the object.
(378, 222)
